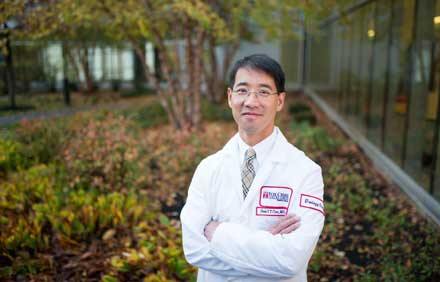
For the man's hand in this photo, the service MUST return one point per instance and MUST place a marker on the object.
(210, 229)
(286, 225)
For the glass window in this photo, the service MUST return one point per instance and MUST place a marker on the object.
(397, 102)
(366, 57)
(335, 63)
(433, 99)
(344, 72)
(97, 64)
(318, 71)
(352, 106)
(380, 34)
(339, 62)
(127, 63)
(346, 91)
(421, 123)
(290, 60)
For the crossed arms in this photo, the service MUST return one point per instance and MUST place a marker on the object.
(285, 225)
(233, 249)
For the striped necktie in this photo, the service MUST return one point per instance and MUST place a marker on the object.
(248, 171)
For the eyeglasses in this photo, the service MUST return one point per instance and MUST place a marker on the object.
(261, 93)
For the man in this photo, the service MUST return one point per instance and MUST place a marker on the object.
(241, 219)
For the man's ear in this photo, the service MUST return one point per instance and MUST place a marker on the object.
(229, 97)
(281, 97)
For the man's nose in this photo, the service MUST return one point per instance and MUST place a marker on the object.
(251, 100)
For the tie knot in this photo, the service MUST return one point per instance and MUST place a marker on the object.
(250, 154)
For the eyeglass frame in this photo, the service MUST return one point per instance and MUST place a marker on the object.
(256, 93)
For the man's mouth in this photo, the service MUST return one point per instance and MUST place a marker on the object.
(250, 114)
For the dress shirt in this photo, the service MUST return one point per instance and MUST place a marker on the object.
(261, 149)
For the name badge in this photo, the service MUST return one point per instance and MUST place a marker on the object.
(274, 200)
(311, 202)
(271, 211)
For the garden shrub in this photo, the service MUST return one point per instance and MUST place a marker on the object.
(88, 214)
(169, 158)
(295, 108)
(312, 139)
(150, 115)
(216, 112)
(36, 212)
(372, 232)
(11, 156)
(20, 225)
(301, 112)
(102, 154)
(42, 140)
(156, 255)
(139, 91)
(154, 114)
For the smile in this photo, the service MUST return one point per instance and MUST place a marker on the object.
(251, 114)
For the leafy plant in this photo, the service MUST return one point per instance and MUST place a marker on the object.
(312, 139)
(11, 156)
(148, 116)
(215, 112)
(42, 140)
(102, 155)
(301, 112)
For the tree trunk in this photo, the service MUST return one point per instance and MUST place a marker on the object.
(139, 77)
(189, 93)
(153, 81)
(211, 70)
(215, 80)
(66, 90)
(197, 117)
(174, 97)
(83, 53)
(73, 63)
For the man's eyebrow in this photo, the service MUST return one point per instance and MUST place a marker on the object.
(242, 84)
(265, 85)
(259, 85)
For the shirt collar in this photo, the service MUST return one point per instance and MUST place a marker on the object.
(261, 149)
(280, 148)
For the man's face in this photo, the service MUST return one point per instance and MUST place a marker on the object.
(255, 115)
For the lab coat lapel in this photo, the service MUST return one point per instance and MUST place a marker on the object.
(232, 166)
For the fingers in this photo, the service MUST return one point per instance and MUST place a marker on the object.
(287, 221)
(210, 229)
(272, 229)
(290, 228)
(285, 225)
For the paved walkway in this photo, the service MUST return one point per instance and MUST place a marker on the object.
(9, 120)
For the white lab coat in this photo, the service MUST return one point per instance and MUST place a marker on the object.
(241, 248)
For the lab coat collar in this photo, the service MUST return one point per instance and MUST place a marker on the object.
(277, 154)
(262, 149)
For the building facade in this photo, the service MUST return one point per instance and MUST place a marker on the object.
(378, 69)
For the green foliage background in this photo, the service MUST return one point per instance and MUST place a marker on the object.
(96, 197)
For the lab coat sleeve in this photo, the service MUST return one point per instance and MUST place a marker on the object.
(194, 216)
(262, 254)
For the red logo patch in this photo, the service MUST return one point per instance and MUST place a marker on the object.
(274, 201)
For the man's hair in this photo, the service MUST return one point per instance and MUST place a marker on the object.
(260, 62)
